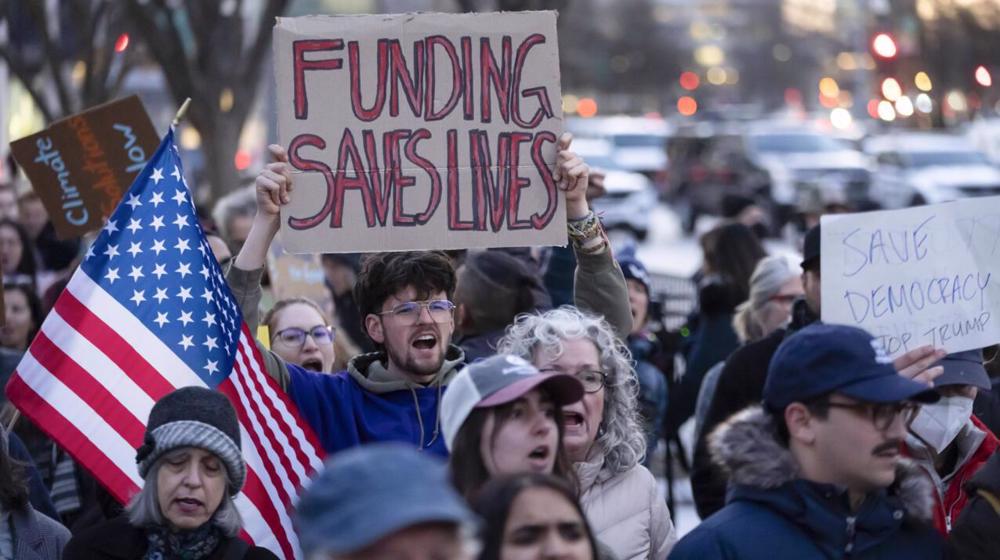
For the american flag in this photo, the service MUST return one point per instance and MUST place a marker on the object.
(149, 311)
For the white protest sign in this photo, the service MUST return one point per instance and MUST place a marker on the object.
(420, 131)
(924, 275)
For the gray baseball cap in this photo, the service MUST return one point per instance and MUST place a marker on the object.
(499, 380)
(367, 493)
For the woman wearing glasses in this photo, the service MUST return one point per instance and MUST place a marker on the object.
(602, 433)
(301, 335)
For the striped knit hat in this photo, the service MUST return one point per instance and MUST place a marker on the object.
(194, 417)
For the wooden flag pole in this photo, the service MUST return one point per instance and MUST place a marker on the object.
(182, 111)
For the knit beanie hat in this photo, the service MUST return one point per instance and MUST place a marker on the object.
(194, 417)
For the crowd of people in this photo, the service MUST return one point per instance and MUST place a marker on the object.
(508, 403)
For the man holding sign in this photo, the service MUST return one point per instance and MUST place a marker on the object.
(393, 394)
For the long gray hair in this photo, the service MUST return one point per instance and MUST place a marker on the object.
(768, 277)
(622, 436)
(143, 509)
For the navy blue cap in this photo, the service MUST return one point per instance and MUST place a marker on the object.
(370, 492)
(822, 359)
(964, 368)
(634, 269)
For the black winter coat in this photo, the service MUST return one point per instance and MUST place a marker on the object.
(976, 534)
(118, 540)
(741, 384)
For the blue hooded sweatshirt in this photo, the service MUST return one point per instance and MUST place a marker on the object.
(365, 404)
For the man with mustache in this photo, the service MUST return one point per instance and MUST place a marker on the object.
(946, 439)
(816, 472)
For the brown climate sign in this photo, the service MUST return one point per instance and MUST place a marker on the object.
(420, 131)
(82, 165)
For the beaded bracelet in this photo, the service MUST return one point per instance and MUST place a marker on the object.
(583, 229)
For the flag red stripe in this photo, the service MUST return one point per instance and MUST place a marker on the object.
(293, 411)
(79, 380)
(255, 490)
(229, 389)
(246, 379)
(119, 350)
(61, 429)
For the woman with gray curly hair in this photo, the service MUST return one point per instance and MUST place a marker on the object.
(603, 435)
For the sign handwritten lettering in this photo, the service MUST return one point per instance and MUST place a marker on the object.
(81, 166)
(420, 131)
(925, 275)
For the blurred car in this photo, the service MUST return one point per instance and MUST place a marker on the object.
(985, 136)
(926, 168)
(628, 196)
(637, 144)
(773, 163)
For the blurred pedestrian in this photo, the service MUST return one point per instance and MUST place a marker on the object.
(774, 287)
(17, 257)
(533, 516)
(23, 316)
(947, 441)
(384, 500)
(817, 471)
(603, 434)
(643, 345)
(741, 381)
(52, 255)
(493, 288)
(8, 201)
(340, 273)
(731, 253)
(233, 215)
(502, 416)
(744, 210)
(192, 468)
(25, 532)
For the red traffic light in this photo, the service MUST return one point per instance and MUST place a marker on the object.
(884, 45)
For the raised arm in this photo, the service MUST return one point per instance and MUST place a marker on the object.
(599, 286)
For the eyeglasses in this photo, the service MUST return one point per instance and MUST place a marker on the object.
(592, 380)
(882, 415)
(786, 299)
(408, 313)
(294, 336)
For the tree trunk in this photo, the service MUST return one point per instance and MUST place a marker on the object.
(220, 139)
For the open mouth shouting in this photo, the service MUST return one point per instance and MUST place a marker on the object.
(425, 341)
(313, 364)
(541, 458)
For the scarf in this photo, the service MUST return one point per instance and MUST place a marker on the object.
(196, 544)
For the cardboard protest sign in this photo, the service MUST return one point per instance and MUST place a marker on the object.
(420, 131)
(297, 276)
(82, 165)
(923, 275)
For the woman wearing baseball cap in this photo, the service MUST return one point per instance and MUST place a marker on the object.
(502, 416)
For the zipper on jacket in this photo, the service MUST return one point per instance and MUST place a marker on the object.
(947, 521)
(850, 535)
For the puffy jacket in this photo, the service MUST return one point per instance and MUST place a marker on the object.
(625, 511)
(976, 444)
(974, 535)
(772, 514)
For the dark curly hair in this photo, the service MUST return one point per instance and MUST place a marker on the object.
(384, 274)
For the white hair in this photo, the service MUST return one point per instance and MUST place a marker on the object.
(622, 436)
(768, 277)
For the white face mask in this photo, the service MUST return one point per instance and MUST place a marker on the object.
(938, 424)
